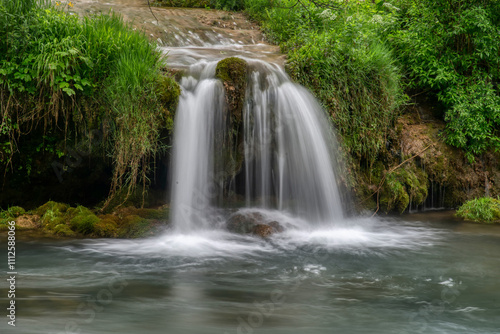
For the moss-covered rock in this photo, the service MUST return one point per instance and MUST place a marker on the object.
(52, 206)
(84, 221)
(252, 223)
(61, 220)
(229, 160)
(106, 228)
(404, 186)
(233, 73)
(135, 226)
(168, 92)
(63, 230)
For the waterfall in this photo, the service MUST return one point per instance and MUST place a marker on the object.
(288, 148)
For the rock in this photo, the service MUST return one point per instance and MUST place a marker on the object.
(276, 226)
(252, 223)
(263, 230)
(233, 73)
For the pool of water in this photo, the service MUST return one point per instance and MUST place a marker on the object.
(422, 273)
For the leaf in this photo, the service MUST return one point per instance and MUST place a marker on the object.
(69, 91)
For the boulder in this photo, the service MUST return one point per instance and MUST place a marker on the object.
(252, 223)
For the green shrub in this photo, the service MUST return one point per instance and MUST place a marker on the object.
(66, 76)
(450, 50)
(482, 210)
(338, 50)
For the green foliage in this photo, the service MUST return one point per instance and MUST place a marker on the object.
(16, 211)
(451, 49)
(229, 4)
(338, 50)
(404, 186)
(481, 210)
(60, 72)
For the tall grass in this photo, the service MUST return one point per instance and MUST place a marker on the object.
(69, 74)
(338, 51)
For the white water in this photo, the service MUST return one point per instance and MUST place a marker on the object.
(288, 148)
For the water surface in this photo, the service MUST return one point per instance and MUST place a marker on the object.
(421, 274)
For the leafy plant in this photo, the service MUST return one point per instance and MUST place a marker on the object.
(451, 49)
(338, 50)
(64, 76)
(483, 210)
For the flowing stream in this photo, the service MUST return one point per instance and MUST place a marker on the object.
(326, 273)
(426, 273)
(288, 164)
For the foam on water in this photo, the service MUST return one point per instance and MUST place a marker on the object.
(365, 235)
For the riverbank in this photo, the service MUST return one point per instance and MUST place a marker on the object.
(61, 220)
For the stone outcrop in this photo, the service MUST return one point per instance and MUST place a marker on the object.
(253, 223)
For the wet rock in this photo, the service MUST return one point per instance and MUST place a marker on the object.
(233, 73)
(253, 223)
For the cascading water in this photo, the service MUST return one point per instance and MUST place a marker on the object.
(289, 164)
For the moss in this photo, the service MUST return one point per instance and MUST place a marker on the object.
(16, 211)
(4, 224)
(158, 214)
(53, 206)
(405, 185)
(481, 210)
(105, 228)
(51, 219)
(135, 226)
(63, 230)
(168, 92)
(84, 221)
(233, 73)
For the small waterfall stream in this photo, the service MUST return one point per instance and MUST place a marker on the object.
(289, 158)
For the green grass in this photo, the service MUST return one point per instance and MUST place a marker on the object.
(63, 75)
(481, 210)
(339, 52)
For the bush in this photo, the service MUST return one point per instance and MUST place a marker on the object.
(482, 210)
(450, 49)
(338, 51)
(59, 72)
